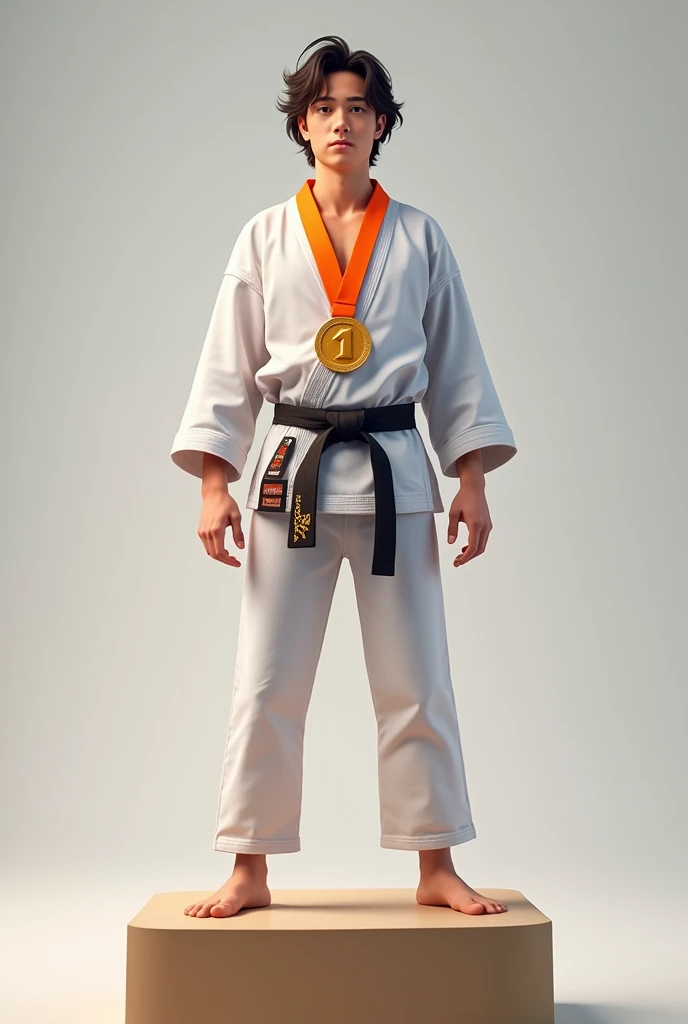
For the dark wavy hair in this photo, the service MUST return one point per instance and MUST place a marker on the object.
(304, 86)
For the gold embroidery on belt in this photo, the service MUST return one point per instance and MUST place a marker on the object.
(301, 522)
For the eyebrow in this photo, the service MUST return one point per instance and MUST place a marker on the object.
(349, 99)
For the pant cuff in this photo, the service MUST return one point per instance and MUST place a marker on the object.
(237, 844)
(428, 842)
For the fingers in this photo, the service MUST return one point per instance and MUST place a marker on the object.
(213, 539)
(235, 522)
(469, 550)
(453, 529)
(218, 550)
(478, 534)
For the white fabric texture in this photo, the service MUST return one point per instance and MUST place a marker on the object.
(421, 780)
(425, 349)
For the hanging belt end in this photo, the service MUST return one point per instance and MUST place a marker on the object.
(382, 569)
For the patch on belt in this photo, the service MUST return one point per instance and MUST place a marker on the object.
(273, 495)
(280, 460)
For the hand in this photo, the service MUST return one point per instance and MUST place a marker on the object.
(219, 511)
(470, 507)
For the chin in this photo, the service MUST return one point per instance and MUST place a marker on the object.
(336, 156)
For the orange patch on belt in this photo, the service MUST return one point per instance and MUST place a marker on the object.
(273, 495)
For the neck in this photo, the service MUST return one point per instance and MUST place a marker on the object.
(339, 194)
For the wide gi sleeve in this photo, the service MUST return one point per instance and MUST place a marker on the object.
(460, 402)
(224, 402)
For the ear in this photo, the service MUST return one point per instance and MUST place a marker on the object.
(380, 126)
(302, 128)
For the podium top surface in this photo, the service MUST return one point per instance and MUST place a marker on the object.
(336, 910)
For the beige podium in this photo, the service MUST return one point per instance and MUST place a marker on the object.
(340, 956)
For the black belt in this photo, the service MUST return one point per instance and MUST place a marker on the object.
(334, 425)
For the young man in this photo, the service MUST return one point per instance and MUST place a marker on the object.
(344, 308)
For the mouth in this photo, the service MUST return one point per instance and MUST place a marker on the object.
(340, 144)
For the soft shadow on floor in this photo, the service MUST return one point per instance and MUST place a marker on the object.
(592, 1013)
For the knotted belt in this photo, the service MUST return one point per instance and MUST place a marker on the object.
(332, 425)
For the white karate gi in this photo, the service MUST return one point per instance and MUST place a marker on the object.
(425, 349)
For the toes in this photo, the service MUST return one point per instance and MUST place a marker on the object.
(213, 908)
(491, 906)
(479, 905)
(473, 908)
(200, 909)
(225, 908)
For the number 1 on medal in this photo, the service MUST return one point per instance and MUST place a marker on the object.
(345, 338)
(342, 343)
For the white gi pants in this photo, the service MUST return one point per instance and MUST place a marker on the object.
(286, 599)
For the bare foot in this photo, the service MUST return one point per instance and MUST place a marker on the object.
(442, 887)
(244, 889)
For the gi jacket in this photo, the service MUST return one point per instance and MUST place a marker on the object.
(425, 348)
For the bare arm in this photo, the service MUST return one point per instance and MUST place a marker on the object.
(470, 506)
(219, 510)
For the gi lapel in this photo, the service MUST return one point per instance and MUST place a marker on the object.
(321, 377)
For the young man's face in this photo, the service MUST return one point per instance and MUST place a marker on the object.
(341, 112)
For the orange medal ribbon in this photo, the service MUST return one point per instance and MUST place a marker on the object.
(343, 342)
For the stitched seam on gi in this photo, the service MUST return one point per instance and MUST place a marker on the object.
(304, 440)
(375, 269)
(363, 504)
(274, 432)
(247, 278)
(429, 835)
(320, 374)
(323, 377)
(368, 288)
(426, 473)
(294, 214)
(208, 435)
(482, 430)
(480, 435)
(241, 841)
(442, 281)
(317, 385)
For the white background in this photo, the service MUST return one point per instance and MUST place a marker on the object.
(548, 139)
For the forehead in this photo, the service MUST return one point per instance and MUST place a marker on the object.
(342, 84)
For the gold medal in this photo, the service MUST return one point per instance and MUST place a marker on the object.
(342, 343)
